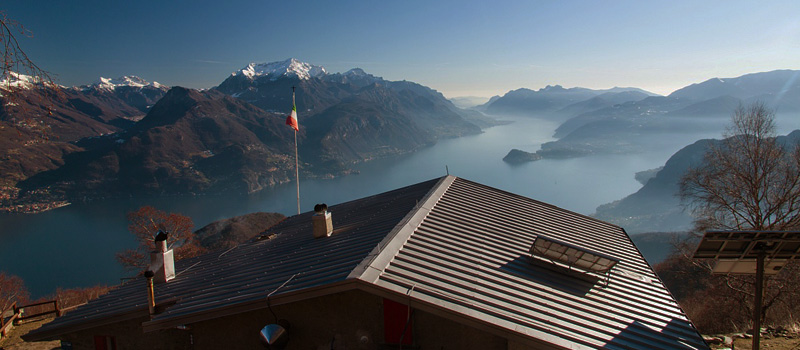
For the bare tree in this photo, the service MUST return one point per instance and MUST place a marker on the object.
(12, 289)
(145, 222)
(15, 61)
(748, 181)
(18, 73)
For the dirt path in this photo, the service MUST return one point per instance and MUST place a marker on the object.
(14, 342)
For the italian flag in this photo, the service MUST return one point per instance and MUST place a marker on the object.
(291, 120)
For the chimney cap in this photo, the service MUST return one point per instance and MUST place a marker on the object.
(161, 236)
(320, 208)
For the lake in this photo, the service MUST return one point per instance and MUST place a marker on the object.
(75, 246)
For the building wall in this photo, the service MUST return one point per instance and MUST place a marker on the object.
(129, 335)
(348, 320)
(434, 332)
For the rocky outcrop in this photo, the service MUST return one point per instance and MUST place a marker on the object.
(516, 156)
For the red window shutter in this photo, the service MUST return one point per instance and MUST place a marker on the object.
(395, 317)
(102, 342)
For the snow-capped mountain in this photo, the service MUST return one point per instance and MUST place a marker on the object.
(17, 81)
(107, 106)
(131, 81)
(274, 70)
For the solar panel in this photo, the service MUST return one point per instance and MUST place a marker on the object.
(737, 251)
(572, 255)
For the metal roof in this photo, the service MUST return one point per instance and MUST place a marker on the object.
(447, 245)
(470, 255)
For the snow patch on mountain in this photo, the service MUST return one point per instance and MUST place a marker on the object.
(124, 81)
(274, 70)
(357, 72)
(18, 81)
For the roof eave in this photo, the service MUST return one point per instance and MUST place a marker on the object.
(54, 333)
(229, 310)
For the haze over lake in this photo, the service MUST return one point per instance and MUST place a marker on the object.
(75, 246)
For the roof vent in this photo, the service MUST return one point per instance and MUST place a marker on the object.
(162, 262)
(572, 256)
(323, 225)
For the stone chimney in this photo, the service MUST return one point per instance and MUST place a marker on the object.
(162, 263)
(323, 226)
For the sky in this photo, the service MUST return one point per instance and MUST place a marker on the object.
(460, 48)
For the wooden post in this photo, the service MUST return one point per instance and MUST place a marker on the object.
(17, 313)
(757, 303)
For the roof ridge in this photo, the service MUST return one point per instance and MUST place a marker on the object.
(379, 258)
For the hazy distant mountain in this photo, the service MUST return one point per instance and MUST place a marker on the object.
(655, 207)
(779, 89)
(696, 109)
(538, 102)
(647, 108)
(717, 107)
(485, 106)
(468, 101)
(547, 101)
(598, 103)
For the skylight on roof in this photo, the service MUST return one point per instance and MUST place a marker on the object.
(571, 255)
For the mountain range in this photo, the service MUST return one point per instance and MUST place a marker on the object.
(40, 126)
(128, 136)
(556, 102)
(626, 122)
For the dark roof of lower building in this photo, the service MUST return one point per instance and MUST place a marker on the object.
(292, 260)
(449, 246)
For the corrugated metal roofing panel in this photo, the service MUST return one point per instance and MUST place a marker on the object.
(470, 254)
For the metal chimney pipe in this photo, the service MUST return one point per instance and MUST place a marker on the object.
(151, 296)
(160, 241)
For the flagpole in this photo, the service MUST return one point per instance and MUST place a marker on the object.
(296, 162)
